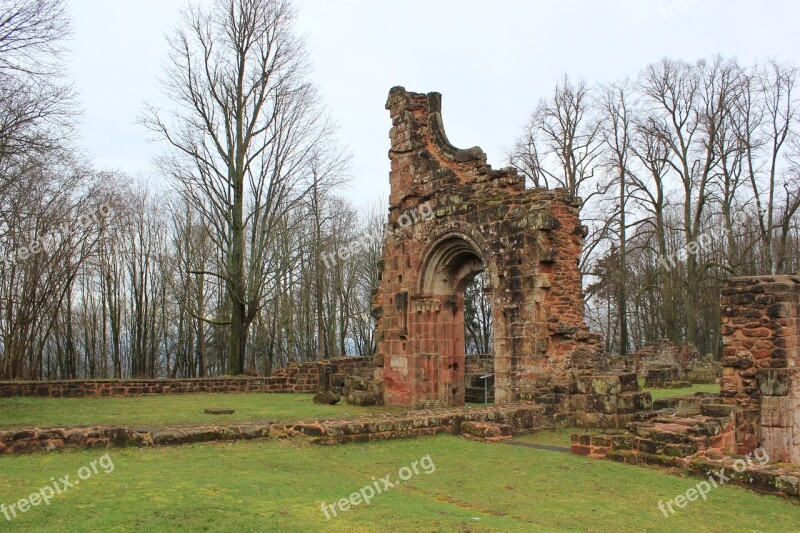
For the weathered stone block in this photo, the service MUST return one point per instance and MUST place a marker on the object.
(775, 381)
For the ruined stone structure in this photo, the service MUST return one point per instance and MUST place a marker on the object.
(662, 363)
(761, 335)
(476, 366)
(527, 241)
(345, 376)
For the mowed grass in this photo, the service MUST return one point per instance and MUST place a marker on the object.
(188, 409)
(280, 486)
(557, 437)
(171, 409)
(669, 393)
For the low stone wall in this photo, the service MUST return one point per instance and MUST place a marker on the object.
(145, 387)
(610, 400)
(696, 434)
(352, 378)
(520, 417)
(341, 375)
(598, 401)
(780, 479)
(705, 372)
(665, 377)
(475, 366)
(52, 439)
(658, 355)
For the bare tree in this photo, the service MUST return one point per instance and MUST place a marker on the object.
(34, 101)
(561, 142)
(241, 138)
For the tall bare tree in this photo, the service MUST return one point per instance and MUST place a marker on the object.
(241, 138)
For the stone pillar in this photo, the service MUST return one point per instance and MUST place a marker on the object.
(760, 333)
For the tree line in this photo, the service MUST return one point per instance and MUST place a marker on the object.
(689, 174)
(218, 272)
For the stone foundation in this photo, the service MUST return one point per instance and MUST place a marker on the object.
(520, 418)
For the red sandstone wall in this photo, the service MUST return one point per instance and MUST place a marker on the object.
(664, 352)
(761, 335)
(305, 378)
(528, 241)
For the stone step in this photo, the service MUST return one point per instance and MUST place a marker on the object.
(717, 410)
(691, 403)
(486, 431)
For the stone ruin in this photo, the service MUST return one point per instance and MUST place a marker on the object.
(663, 364)
(526, 241)
(757, 412)
(760, 359)
(550, 371)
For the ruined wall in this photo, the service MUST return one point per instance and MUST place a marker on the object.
(760, 335)
(662, 353)
(527, 241)
(342, 375)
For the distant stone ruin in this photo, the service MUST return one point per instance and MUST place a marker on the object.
(666, 365)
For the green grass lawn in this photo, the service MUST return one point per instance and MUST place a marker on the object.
(668, 393)
(556, 437)
(281, 485)
(171, 409)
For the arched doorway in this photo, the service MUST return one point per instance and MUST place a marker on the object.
(451, 267)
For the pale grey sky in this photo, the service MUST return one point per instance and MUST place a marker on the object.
(491, 60)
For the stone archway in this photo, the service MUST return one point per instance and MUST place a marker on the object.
(450, 264)
(451, 216)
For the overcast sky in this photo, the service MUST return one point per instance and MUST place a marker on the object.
(492, 60)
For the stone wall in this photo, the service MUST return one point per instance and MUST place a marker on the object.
(660, 354)
(760, 335)
(518, 417)
(341, 375)
(477, 365)
(145, 387)
(526, 241)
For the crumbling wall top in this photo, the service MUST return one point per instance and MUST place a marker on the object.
(418, 133)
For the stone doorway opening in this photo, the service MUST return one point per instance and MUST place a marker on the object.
(478, 342)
